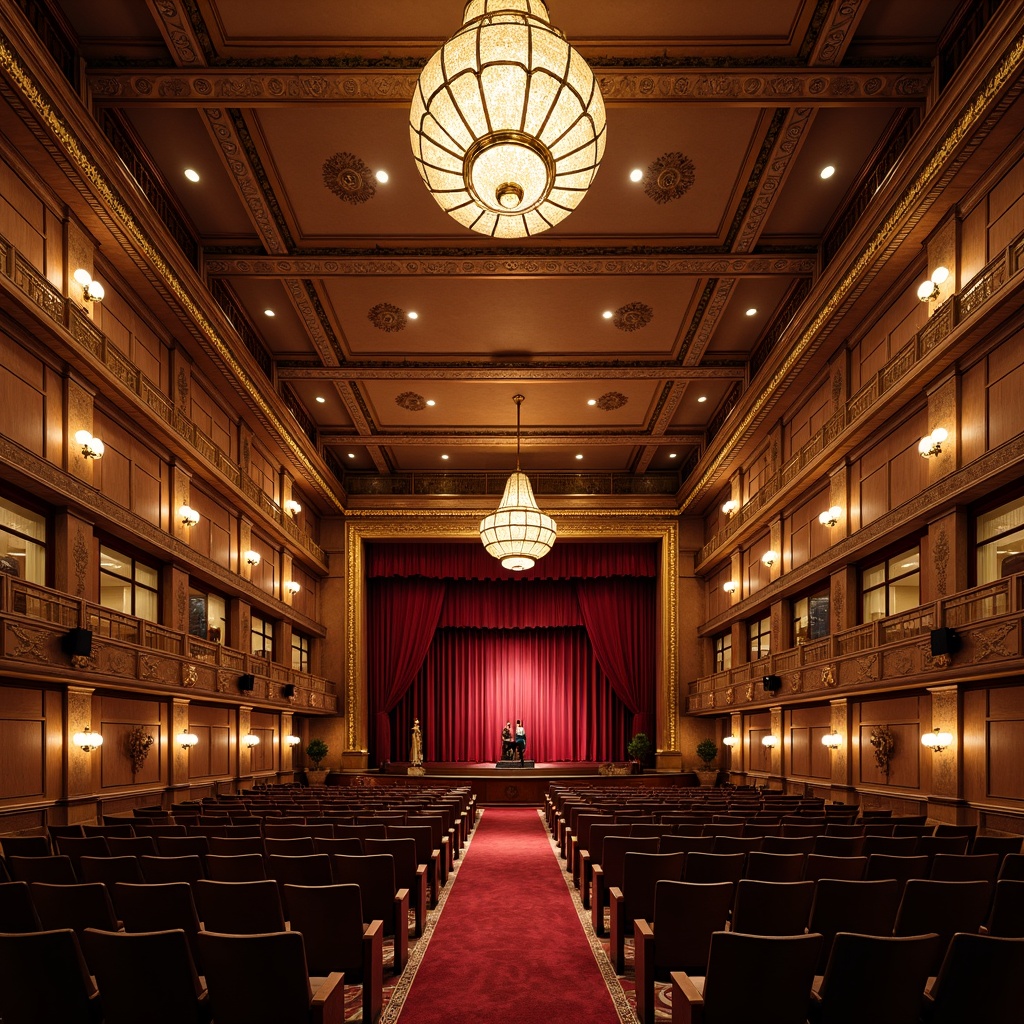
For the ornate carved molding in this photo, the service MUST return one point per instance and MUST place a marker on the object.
(512, 371)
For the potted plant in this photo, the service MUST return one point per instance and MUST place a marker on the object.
(707, 751)
(316, 751)
(639, 749)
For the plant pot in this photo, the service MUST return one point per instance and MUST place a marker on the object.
(707, 776)
(316, 776)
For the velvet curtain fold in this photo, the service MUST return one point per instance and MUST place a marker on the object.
(403, 616)
(619, 615)
(516, 604)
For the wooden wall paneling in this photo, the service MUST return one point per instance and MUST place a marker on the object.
(755, 474)
(113, 473)
(756, 573)
(261, 470)
(212, 754)
(111, 318)
(975, 739)
(119, 716)
(264, 756)
(22, 397)
(1005, 391)
(22, 216)
(869, 355)
(908, 472)
(150, 478)
(23, 744)
(808, 538)
(215, 420)
(1006, 209)
(974, 242)
(973, 412)
(902, 715)
(808, 417)
(1002, 743)
(212, 535)
(717, 600)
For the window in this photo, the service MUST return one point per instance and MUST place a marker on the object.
(262, 637)
(811, 617)
(128, 585)
(300, 652)
(207, 616)
(760, 633)
(892, 586)
(723, 651)
(1000, 536)
(22, 542)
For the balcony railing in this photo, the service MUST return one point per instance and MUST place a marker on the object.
(127, 649)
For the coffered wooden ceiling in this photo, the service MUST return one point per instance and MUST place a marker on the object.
(273, 103)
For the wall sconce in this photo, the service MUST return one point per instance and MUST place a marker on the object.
(932, 444)
(769, 741)
(730, 586)
(929, 289)
(252, 557)
(293, 587)
(292, 741)
(87, 740)
(92, 290)
(189, 516)
(830, 516)
(292, 507)
(92, 447)
(832, 740)
(731, 507)
(250, 741)
(729, 741)
(186, 740)
(769, 558)
(937, 740)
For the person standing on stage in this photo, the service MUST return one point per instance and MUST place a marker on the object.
(507, 744)
(521, 741)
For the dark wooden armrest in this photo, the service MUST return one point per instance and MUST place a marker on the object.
(328, 1003)
(643, 964)
(401, 929)
(687, 1002)
(373, 971)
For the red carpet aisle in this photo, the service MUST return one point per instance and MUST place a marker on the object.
(509, 946)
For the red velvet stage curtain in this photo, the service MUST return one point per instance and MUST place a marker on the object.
(512, 604)
(474, 680)
(403, 616)
(619, 614)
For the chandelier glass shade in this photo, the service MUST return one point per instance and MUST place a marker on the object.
(507, 123)
(518, 533)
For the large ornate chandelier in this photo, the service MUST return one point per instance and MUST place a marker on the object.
(518, 532)
(507, 124)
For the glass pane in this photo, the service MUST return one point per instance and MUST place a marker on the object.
(874, 604)
(22, 543)
(1001, 520)
(873, 576)
(819, 617)
(22, 521)
(906, 561)
(197, 615)
(115, 593)
(216, 618)
(905, 594)
(112, 561)
(1002, 557)
(147, 576)
(146, 605)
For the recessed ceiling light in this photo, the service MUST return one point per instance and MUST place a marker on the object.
(751, 311)
(671, 455)
(702, 398)
(444, 457)
(607, 314)
(431, 402)
(636, 175)
(579, 456)
(321, 399)
(591, 401)
(269, 312)
(351, 455)
(382, 177)
(191, 175)
(412, 315)
(827, 172)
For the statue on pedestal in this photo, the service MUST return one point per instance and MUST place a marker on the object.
(416, 745)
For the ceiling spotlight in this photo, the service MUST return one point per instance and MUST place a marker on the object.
(352, 455)
(250, 740)
(636, 174)
(827, 172)
(507, 122)
(292, 507)
(932, 443)
(752, 311)
(672, 455)
(830, 516)
(929, 289)
(770, 557)
(189, 516)
(293, 587)
(731, 507)
(192, 175)
(186, 740)
(382, 177)
(92, 447)
(413, 315)
(321, 399)
(431, 402)
(269, 312)
(252, 557)
(444, 458)
(607, 314)
(92, 291)
(591, 401)
(87, 740)
(730, 586)
(579, 456)
(702, 399)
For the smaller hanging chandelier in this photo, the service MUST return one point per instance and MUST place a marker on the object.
(518, 532)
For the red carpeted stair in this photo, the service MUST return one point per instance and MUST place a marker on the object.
(509, 947)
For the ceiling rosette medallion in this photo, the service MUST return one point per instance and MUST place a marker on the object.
(410, 401)
(349, 178)
(633, 316)
(670, 177)
(387, 318)
(611, 400)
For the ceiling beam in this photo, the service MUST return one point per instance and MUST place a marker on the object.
(724, 86)
(483, 439)
(482, 372)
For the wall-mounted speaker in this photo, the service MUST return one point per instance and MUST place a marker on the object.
(77, 642)
(288, 690)
(246, 683)
(945, 641)
(771, 684)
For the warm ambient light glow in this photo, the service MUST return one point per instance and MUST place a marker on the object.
(507, 123)
(188, 515)
(92, 447)
(383, 177)
(636, 174)
(832, 740)
(769, 741)
(730, 586)
(830, 516)
(292, 741)
(92, 290)
(292, 507)
(413, 315)
(87, 740)
(192, 175)
(731, 507)
(827, 172)
(729, 741)
(518, 533)
(770, 557)
(932, 444)
(186, 740)
(929, 289)
(293, 587)
(252, 557)
(937, 740)
(250, 740)
(752, 311)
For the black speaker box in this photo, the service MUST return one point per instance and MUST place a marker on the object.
(288, 690)
(77, 642)
(945, 641)
(772, 683)
(246, 683)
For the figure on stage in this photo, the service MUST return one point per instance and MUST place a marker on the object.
(520, 741)
(508, 745)
(416, 746)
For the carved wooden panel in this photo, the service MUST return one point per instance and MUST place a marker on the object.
(22, 769)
